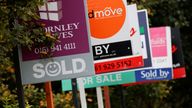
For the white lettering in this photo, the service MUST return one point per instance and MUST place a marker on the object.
(38, 69)
(163, 73)
(150, 74)
(58, 68)
(64, 68)
(112, 79)
(158, 41)
(76, 25)
(87, 80)
(62, 28)
(99, 79)
(77, 61)
(105, 79)
(106, 48)
(118, 77)
(98, 50)
(107, 12)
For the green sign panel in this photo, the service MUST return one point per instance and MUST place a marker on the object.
(103, 80)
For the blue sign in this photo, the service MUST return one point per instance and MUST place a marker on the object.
(153, 74)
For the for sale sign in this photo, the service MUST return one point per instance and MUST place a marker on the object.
(145, 38)
(72, 56)
(115, 35)
(107, 79)
(161, 56)
(178, 60)
(121, 77)
(149, 75)
(161, 46)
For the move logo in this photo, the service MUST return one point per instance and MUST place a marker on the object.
(52, 10)
(108, 12)
(154, 74)
(106, 17)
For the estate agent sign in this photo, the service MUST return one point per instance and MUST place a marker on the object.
(71, 57)
(115, 35)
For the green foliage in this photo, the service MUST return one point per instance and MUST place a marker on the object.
(7, 99)
(63, 100)
(174, 13)
(18, 27)
(150, 95)
(34, 96)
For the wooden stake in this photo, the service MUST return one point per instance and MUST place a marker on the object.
(107, 97)
(49, 95)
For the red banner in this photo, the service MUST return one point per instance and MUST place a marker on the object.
(119, 64)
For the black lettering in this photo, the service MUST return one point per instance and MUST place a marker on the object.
(91, 14)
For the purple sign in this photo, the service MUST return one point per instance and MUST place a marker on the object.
(72, 56)
(67, 20)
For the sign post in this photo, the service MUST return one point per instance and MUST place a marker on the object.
(122, 96)
(20, 92)
(99, 97)
(74, 90)
(82, 93)
(49, 95)
(107, 97)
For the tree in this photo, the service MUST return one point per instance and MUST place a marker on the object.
(18, 27)
(175, 93)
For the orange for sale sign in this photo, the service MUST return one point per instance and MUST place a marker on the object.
(115, 36)
(106, 17)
